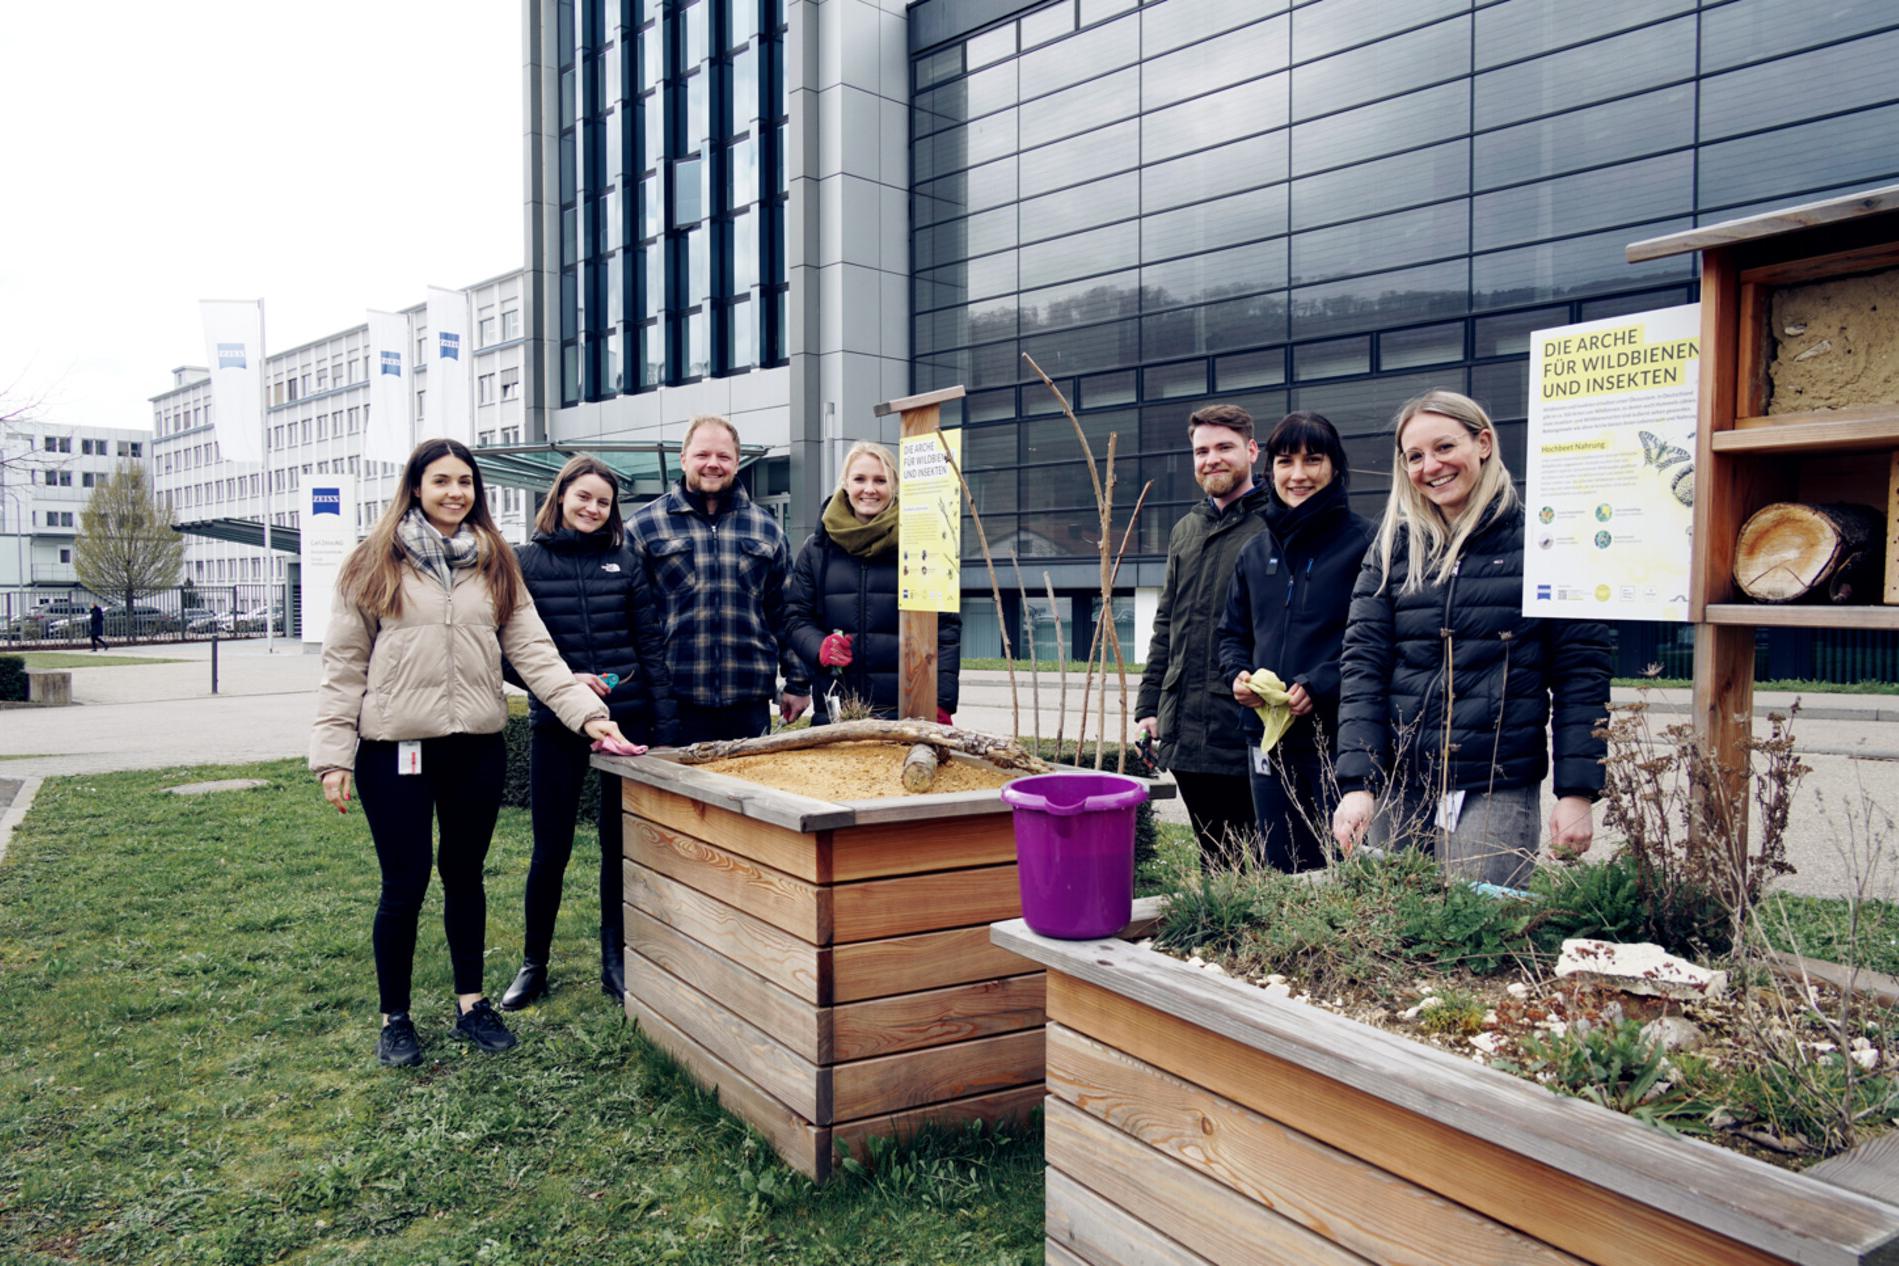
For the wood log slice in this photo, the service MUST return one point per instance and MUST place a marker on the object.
(1788, 552)
(919, 768)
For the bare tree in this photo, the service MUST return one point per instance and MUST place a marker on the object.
(125, 545)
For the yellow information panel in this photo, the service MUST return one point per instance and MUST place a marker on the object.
(1611, 471)
(930, 525)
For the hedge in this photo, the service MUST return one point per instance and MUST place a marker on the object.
(12, 679)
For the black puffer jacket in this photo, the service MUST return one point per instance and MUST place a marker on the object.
(592, 595)
(1181, 688)
(832, 589)
(1506, 674)
(1287, 604)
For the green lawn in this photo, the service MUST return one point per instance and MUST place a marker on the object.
(89, 659)
(187, 1073)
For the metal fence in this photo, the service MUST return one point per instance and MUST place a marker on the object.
(1845, 656)
(31, 618)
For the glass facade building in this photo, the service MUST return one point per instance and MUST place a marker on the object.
(1329, 206)
(671, 126)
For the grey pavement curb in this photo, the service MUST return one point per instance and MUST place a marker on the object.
(22, 801)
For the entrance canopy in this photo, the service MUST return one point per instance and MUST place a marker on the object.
(285, 540)
(645, 467)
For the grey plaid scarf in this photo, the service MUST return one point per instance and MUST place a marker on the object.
(431, 552)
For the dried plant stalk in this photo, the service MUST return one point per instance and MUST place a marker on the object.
(1061, 665)
(1035, 655)
(1107, 594)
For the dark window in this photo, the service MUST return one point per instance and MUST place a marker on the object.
(1652, 121)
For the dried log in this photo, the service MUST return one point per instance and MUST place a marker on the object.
(919, 768)
(998, 751)
(1788, 552)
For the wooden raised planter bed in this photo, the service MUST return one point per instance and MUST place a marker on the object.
(827, 967)
(1193, 1119)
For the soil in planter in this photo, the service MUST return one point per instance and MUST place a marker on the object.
(854, 771)
(1376, 947)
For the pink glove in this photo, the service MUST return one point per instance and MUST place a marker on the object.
(835, 652)
(613, 747)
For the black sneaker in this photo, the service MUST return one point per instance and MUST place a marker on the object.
(398, 1045)
(482, 1026)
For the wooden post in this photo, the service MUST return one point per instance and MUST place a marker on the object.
(1892, 531)
(916, 630)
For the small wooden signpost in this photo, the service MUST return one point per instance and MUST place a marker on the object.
(916, 630)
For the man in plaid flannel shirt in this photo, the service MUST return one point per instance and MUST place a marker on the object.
(718, 564)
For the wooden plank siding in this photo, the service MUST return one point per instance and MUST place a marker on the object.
(1260, 1162)
(844, 1001)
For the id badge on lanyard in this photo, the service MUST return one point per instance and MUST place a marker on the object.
(409, 756)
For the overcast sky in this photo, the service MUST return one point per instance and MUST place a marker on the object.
(325, 157)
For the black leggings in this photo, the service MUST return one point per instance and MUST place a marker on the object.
(557, 772)
(1290, 801)
(459, 787)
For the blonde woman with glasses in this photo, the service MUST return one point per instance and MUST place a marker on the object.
(1451, 697)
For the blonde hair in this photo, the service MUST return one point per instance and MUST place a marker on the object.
(371, 577)
(708, 419)
(865, 448)
(1433, 542)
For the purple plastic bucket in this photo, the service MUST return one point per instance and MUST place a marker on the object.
(1074, 848)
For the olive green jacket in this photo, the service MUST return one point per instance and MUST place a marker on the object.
(1182, 686)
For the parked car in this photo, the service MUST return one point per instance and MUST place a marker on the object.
(143, 621)
(206, 623)
(42, 620)
(252, 621)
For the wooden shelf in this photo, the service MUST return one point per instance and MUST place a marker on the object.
(1803, 616)
(1868, 428)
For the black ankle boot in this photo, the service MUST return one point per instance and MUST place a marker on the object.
(530, 986)
(613, 964)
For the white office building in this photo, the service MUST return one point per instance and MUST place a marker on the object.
(47, 474)
(317, 405)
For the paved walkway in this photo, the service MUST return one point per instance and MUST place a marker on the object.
(150, 716)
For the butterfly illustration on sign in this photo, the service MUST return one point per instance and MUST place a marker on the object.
(1673, 463)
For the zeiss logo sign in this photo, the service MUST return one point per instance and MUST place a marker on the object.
(451, 347)
(392, 363)
(326, 501)
(231, 356)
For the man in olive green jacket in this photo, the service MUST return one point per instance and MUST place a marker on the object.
(1185, 702)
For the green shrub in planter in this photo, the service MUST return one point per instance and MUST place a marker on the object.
(12, 678)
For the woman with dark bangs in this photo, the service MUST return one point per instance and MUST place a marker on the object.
(1286, 613)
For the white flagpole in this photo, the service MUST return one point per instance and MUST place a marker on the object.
(270, 558)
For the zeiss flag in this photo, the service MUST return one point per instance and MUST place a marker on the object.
(446, 408)
(388, 437)
(234, 349)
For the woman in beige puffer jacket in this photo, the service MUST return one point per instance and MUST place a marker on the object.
(411, 710)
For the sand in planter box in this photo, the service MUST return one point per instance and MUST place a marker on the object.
(853, 771)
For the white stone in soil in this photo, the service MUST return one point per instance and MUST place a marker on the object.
(1866, 1059)
(1488, 1043)
(1640, 967)
(1276, 979)
(1672, 1033)
(1517, 989)
(1278, 991)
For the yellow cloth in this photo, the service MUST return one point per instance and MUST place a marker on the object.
(1274, 712)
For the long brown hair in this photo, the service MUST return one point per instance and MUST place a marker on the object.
(371, 578)
(549, 518)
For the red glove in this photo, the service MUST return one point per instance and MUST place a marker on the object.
(943, 717)
(835, 651)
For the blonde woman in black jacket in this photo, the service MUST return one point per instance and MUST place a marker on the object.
(1448, 689)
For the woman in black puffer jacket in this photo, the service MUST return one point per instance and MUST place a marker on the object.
(591, 593)
(1285, 611)
(1448, 688)
(845, 581)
